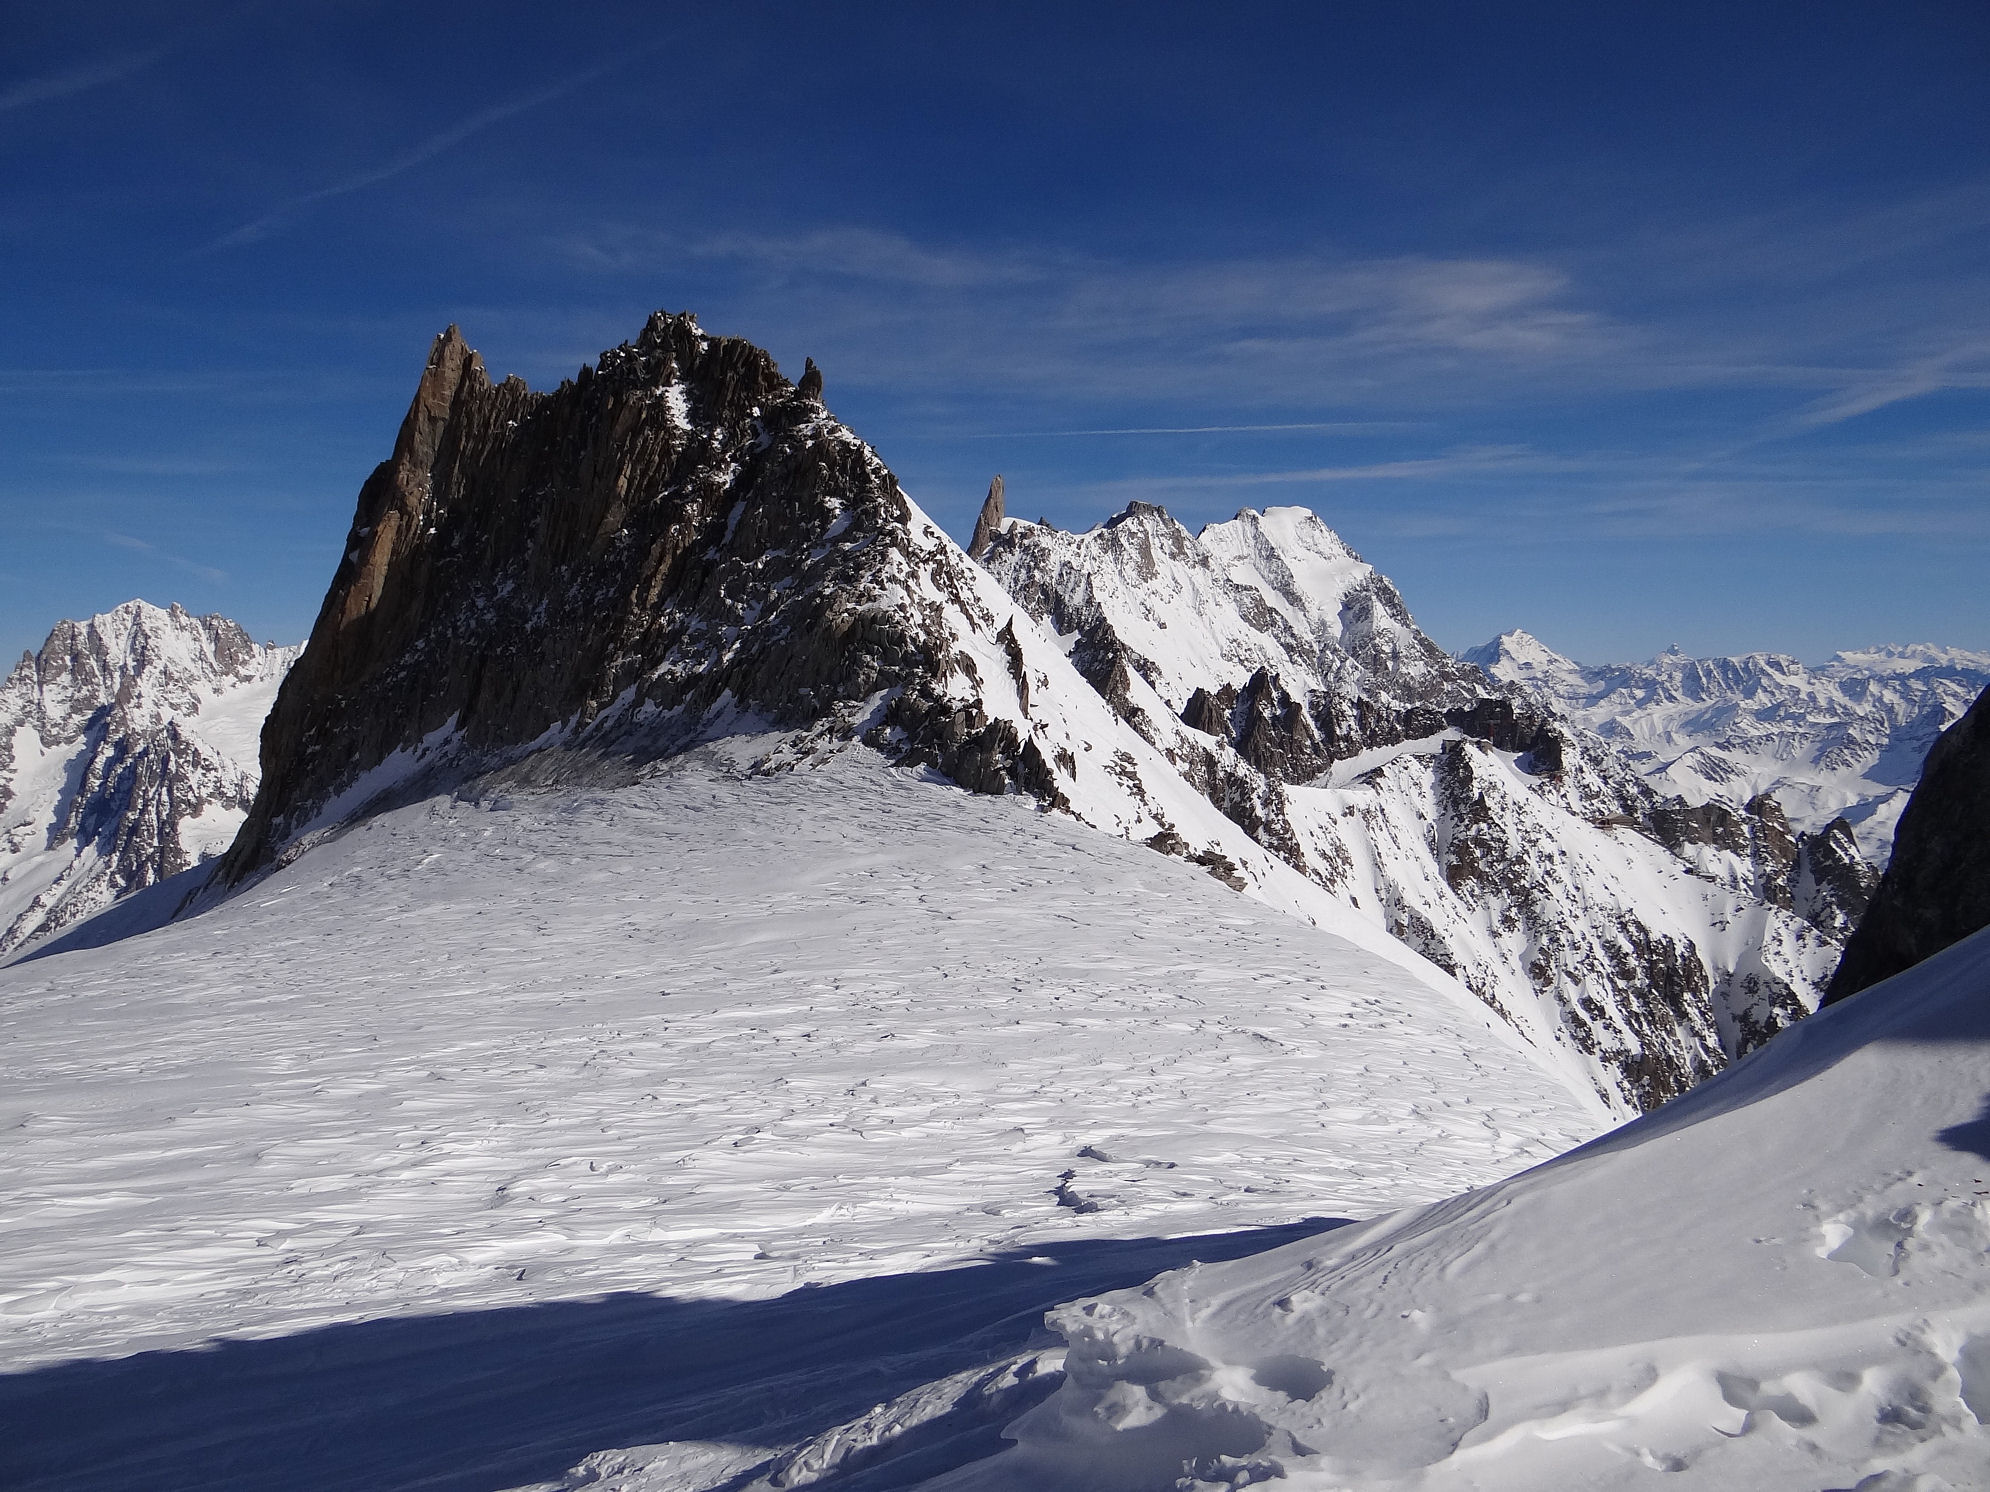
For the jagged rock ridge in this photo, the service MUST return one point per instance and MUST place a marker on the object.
(127, 755)
(676, 534)
(1843, 740)
(1936, 890)
(679, 545)
(1284, 677)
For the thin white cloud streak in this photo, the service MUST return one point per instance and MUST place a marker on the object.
(420, 154)
(1504, 460)
(74, 80)
(1930, 375)
(126, 541)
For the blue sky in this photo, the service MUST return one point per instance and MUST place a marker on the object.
(1629, 324)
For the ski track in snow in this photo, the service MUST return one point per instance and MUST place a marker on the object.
(703, 1036)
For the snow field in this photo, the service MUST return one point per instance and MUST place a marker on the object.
(703, 1036)
(1781, 1281)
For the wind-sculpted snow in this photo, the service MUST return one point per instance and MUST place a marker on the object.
(127, 755)
(1780, 1283)
(705, 1035)
(1642, 943)
(1843, 740)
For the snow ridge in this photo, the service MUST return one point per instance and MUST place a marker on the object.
(1777, 1283)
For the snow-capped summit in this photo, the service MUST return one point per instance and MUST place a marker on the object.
(1470, 818)
(1518, 657)
(127, 754)
(1845, 739)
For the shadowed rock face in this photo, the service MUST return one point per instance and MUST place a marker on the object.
(676, 535)
(1936, 890)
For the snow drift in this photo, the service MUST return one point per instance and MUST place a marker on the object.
(1780, 1281)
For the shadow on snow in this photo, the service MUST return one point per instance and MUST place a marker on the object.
(478, 1400)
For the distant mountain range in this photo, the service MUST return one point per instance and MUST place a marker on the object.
(1845, 739)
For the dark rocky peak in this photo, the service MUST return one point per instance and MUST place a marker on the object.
(676, 536)
(988, 522)
(1936, 889)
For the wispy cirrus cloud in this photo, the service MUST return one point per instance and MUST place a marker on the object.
(193, 567)
(419, 154)
(1847, 308)
(73, 80)
(1965, 366)
(1292, 330)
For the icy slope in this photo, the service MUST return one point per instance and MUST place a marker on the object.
(1781, 1282)
(1845, 739)
(703, 1035)
(1640, 943)
(127, 754)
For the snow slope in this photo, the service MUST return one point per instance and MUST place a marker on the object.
(128, 752)
(1844, 739)
(1781, 1281)
(708, 1036)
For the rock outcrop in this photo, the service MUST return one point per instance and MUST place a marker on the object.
(1936, 890)
(127, 755)
(988, 522)
(676, 534)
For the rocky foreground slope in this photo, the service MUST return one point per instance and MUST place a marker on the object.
(1843, 740)
(127, 755)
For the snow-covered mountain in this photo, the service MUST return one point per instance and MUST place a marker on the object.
(1845, 739)
(127, 755)
(616, 1052)
(680, 545)
(1284, 678)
